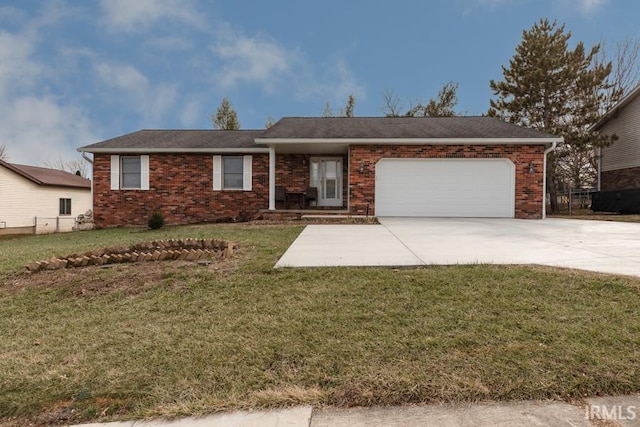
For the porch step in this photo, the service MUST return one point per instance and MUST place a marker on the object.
(315, 215)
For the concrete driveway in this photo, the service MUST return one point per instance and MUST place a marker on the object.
(603, 246)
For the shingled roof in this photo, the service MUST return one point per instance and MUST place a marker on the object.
(399, 128)
(48, 177)
(204, 140)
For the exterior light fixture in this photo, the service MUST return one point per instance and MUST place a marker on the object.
(361, 166)
(531, 170)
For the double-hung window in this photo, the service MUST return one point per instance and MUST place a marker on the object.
(130, 172)
(232, 173)
(65, 207)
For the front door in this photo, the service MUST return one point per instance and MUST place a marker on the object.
(326, 176)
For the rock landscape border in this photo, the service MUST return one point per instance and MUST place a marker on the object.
(158, 250)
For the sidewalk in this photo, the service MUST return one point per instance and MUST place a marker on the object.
(618, 411)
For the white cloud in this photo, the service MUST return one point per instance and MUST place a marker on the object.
(34, 125)
(334, 84)
(254, 60)
(191, 113)
(124, 77)
(135, 92)
(587, 8)
(36, 129)
(262, 61)
(590, 6)
(18, 69)
(139, 15)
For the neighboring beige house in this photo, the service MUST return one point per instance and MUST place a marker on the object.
(40, 200)
(619, 167)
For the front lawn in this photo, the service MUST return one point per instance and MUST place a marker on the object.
(170, 339)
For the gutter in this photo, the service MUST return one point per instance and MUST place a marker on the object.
(84, 156)
(551, 148)
(172, 150)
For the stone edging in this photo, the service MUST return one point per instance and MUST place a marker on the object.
(158, 250)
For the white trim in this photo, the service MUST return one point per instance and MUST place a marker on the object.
(144, 172)
(272, 179)
(217, 173)
(173, 150)
(247, 175)
(544, 179)
(409, 141)
(115, 172)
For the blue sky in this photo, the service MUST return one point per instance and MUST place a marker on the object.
(76, 72)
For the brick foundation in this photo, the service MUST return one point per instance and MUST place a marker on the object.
(528, 197)
(621, 179)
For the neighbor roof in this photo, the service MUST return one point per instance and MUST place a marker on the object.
(205, 140)
(334, 128)
(49, 177)
(613, 110)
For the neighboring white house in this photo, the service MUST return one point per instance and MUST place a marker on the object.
(40, 200)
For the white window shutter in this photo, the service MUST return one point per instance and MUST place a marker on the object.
(115, 172)
(247, 174)
(217, 173)
(144, 172)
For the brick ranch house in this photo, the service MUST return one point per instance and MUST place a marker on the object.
(383, 166)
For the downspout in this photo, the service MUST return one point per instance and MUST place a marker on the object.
(84, 156)
(553, 146)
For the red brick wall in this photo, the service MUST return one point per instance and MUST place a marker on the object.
(621, 179)
(528, 197)
(181, 187)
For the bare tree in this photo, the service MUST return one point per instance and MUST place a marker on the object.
(392, 106)
(76, 166)
(442, 106)
(327, 111)
(270, 122)
(624, 57)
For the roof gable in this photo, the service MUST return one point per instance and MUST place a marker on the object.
(612, 112)
(48, 177)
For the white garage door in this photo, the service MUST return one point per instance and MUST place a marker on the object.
(445, 188)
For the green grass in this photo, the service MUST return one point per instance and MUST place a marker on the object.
(170, 339)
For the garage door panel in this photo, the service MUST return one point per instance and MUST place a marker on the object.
(445, 187)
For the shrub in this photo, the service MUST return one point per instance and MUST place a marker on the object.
(156, 221)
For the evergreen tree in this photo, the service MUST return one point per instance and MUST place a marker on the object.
(549, 87)
(347, 111)
(351, 105)
(225, 117)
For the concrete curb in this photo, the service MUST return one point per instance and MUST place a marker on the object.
(612, 411)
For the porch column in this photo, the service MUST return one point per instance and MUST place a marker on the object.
(272, 179)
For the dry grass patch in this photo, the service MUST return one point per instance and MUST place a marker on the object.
(189, 340)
